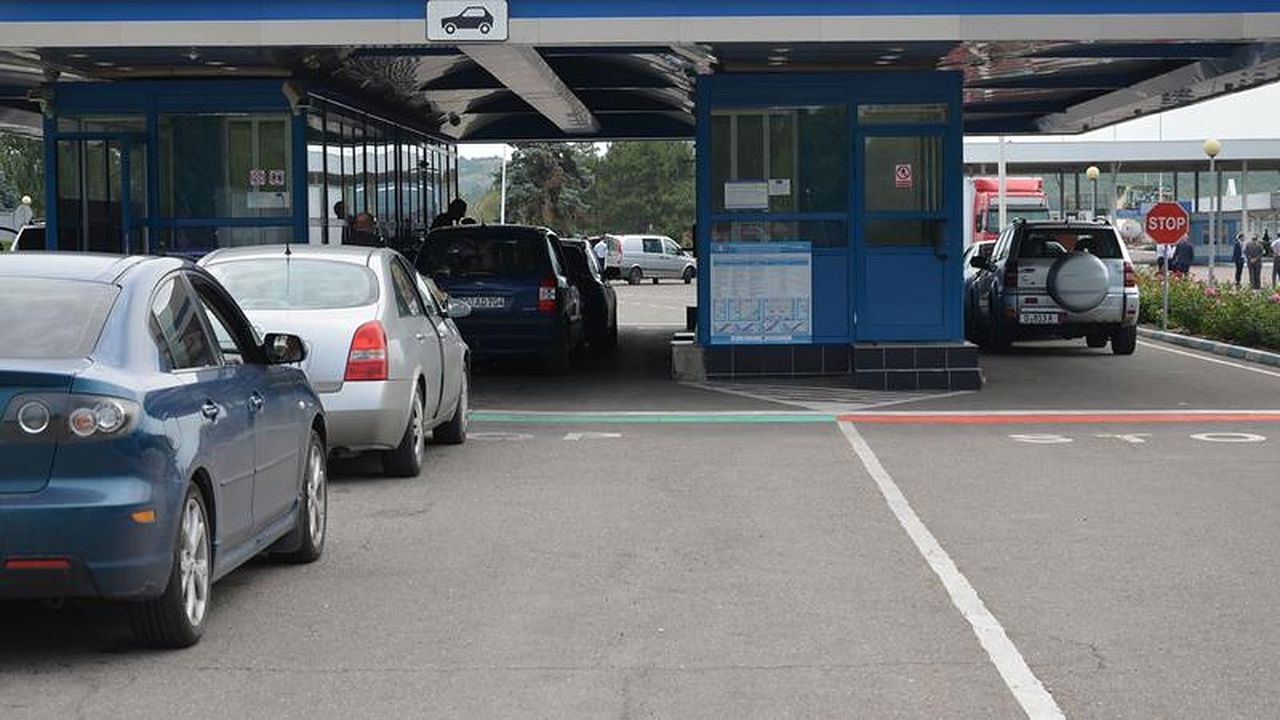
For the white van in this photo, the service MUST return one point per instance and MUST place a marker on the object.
(651, 256)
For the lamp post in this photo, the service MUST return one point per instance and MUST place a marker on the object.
(1092, 172)
(1211, 148)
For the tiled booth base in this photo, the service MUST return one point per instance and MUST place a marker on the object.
(882, 366)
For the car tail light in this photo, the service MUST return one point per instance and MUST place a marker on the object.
(67, 417)
(547, 295)
(368, 357)
(1011, 274)
(1130, 276)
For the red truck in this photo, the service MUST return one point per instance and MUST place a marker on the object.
(1024, 198)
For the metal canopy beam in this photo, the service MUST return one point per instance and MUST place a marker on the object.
(522, 69)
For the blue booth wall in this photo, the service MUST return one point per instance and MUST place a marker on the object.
(884, 290)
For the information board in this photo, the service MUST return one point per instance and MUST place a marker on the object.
(761, 293)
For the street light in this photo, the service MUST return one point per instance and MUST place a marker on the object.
(1092, 173)
(1211, 148)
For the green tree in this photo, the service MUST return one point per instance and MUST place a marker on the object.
(548, 183)
(21, 171)
(645, 187)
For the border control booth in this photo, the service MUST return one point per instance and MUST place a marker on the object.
(829, 133)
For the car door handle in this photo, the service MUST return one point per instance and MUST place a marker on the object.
(210, 410)
(420, 337)
(255, 402)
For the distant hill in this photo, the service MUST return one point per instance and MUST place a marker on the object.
(475, 177)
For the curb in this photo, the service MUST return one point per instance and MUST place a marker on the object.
(1237, 352)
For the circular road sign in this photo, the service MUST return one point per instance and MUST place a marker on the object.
(1167, 223)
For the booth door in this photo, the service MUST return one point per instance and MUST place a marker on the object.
(101, 189)
(902, 274)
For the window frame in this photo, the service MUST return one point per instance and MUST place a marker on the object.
(180, 281)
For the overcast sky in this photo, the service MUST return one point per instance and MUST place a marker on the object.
(1248, 114)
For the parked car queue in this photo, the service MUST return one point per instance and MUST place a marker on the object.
(163, 422)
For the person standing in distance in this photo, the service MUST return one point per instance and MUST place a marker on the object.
(1275, 261)
(1253, 252)
(1237, 256)
(601, 249)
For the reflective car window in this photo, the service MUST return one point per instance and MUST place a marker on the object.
(179, 332)
(52, 319)
(406, 296)
(295, 284)
(652, 245)
(232, 345)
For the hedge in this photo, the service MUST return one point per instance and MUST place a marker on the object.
(1239, 316)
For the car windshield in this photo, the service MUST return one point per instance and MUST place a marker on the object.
(289, 284)
(463, 255)
(47, 319)
(1055, 242)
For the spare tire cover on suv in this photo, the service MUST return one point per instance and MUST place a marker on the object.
(1078, 282)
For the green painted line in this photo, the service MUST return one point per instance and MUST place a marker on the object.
(582, 418)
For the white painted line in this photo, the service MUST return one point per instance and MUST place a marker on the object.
(1228, 363)
(1065, 413)
(1027, 689)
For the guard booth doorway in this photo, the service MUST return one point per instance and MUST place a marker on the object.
(101, 192)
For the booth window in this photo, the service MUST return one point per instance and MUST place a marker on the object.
(800, 155)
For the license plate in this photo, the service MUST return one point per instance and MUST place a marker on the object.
(484, 302)
(1038, 318)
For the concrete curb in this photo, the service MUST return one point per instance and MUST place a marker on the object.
(1238, 352)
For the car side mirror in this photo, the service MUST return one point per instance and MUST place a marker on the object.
(283, 349)
(457, 309)
(980, 262)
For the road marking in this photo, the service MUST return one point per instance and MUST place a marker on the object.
(576, 436)
(499, 436)
(1228, 363)
(1229, 437)
(1026, 688)
(1060, 417)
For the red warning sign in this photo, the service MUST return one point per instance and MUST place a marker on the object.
(903, 177)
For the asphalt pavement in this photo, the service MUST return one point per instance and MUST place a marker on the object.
(1089, 536)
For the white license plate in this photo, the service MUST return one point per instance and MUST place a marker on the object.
(1038, 318)
(485, 302)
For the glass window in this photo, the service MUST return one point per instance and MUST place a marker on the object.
(234, 166)
(178, 329)
(818, 233)
(406, 295)
(802, 151)
(1059, 242)
(905, 233)
(297, 284)
(902, 113)
(52, 319)
(903, 174)
(653, 245)
(234, 350)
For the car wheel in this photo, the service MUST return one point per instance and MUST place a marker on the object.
(454, 432)
(306, 540)
(406, 460)
(450, 28)
(688, 275)
(176, 618)
(1096, 340)
(635, 276)
(1124, 341)
(485, 28)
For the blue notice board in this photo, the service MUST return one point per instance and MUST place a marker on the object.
(761, 293)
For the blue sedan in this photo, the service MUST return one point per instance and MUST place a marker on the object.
(149, 443)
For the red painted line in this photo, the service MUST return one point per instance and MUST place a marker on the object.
(1057, 418)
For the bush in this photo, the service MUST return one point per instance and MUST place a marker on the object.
(1234, 315)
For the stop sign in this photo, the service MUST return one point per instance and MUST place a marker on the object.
(1167, 223)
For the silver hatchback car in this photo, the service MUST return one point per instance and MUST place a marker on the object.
(383, 354)
(1054, 279)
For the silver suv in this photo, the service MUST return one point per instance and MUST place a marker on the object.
(1053, 279)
